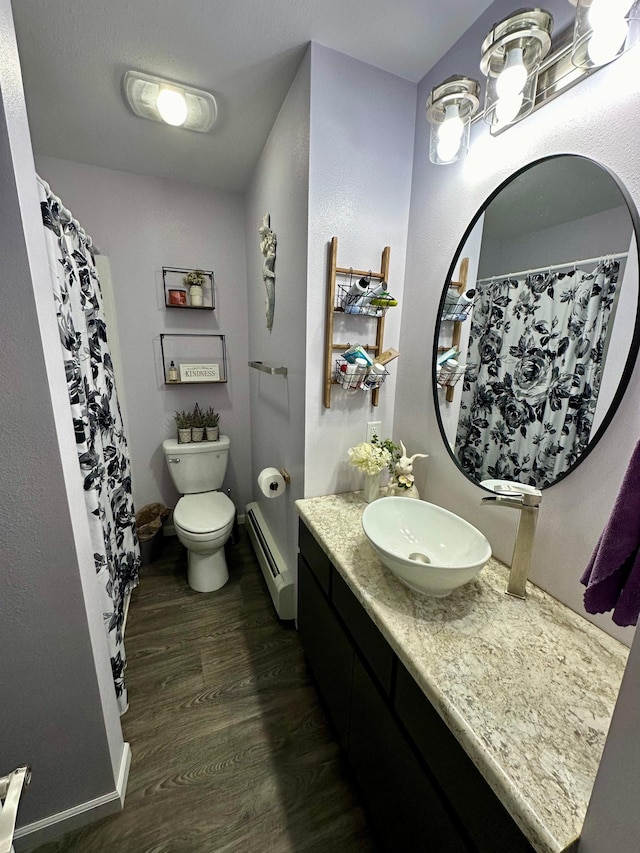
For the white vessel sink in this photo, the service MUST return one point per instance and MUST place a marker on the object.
(428, 548)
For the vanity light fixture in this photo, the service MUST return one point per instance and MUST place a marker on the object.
(450, 108)
(511, 57)
(604, 29)
(172, 103)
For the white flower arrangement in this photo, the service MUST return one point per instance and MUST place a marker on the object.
(195, 277)
(369, 458)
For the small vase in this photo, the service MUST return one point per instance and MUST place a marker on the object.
(184, 436)
(197, 433)
(195, 294)
(213, 433)
(371, 487)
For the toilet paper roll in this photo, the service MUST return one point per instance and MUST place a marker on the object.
(271, 482)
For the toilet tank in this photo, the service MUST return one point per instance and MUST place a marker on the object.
(197, 467)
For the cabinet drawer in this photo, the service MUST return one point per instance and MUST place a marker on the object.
(316, 559)
(480, 812)
(327, 648)
(372, 645)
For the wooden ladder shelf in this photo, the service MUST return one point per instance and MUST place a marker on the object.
(332, 345)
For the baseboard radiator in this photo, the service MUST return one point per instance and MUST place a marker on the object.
(278, 577)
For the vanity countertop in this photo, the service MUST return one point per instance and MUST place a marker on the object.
(527, 687)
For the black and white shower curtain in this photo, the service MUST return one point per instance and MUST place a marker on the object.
(102, 447)
(534, 366)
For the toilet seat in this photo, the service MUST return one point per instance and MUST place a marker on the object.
(204, 512)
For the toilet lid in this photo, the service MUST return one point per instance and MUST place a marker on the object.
(204, 512)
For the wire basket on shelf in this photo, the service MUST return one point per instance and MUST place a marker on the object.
(362, 304)
(367, 381)
(457, 306)
(449, 378)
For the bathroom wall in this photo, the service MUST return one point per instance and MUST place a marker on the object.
(142, 224)
(608, 233)
(361, 148)
(57, 707)
(598, 119)
(279, 187)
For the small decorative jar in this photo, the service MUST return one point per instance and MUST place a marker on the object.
(213, 433)
(197, 433)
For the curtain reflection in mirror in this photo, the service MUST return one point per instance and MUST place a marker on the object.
(535, 357)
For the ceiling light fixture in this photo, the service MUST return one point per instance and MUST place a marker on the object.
(450, 108)
(604, 30)
(172, 103)
(511, 57)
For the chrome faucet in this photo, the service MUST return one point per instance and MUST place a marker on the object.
(528, 505)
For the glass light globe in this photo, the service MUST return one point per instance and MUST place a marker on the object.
(607, 39)
(513, 77)
(172, 106)
(508, 107)
(450, 134)
(601, 12)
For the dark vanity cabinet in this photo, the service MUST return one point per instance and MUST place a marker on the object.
(420, 789)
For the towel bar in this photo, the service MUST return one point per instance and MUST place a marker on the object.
(264, 368)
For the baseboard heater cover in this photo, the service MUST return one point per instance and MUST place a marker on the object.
(278, 577)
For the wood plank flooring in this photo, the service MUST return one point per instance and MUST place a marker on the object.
(231, 750)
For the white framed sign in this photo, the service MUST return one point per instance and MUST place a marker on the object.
(200, 373)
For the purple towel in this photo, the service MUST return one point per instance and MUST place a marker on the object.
(612, 577)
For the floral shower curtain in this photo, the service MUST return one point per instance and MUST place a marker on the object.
(102, 447)
(534, 366)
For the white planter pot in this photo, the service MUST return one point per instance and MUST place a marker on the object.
(195, 294)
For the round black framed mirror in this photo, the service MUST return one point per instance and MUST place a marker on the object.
(538, 324)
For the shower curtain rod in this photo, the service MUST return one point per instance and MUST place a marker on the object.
(67, 216)
(553, 267)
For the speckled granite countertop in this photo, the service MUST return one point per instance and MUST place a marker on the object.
(527, 687)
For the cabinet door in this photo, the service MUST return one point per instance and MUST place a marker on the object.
(477, 807)
(327, 648)
(404, 807)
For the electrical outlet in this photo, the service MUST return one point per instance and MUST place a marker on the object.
(374, 428)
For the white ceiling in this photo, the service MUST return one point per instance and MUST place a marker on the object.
(74, 54)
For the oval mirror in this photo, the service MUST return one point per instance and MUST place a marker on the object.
(538, 324)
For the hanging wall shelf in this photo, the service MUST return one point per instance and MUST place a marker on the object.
(197, 358)
(336, 306)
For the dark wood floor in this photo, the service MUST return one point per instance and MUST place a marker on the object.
(231, 750)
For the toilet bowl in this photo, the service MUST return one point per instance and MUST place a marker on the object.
(203, 524)
(203, 517)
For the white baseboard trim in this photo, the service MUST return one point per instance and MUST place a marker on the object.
(49, 828)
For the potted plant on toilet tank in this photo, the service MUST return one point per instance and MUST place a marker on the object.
(211, 421)
(183, 423)
(197, 424)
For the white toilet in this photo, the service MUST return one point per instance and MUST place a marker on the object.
(203, 517)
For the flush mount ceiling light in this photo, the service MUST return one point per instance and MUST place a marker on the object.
(511, 57)
(450, 108)
(168, 102)
(604, 29)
